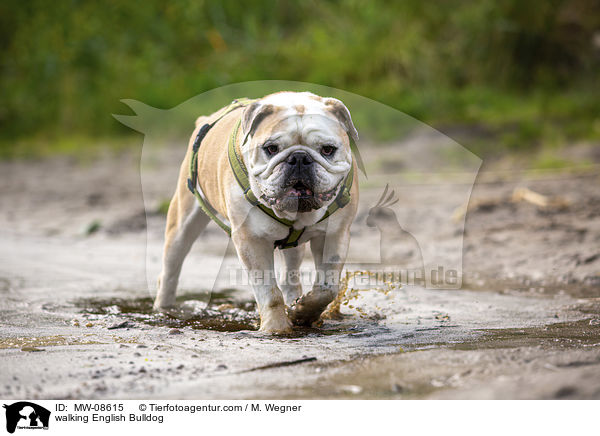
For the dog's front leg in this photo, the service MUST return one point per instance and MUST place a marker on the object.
(329, 254)
(257, 256)
(290, 282)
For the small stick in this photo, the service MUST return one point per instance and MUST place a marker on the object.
(279, 364)
(530, 196)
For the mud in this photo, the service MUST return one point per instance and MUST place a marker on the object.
(76, 318)
(210, 311)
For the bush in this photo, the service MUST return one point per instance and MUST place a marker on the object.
(66, 64)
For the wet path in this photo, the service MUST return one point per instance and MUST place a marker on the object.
(69, 331)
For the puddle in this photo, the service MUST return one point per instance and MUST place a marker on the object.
(218, 311)
(408, 375)
(563, 334)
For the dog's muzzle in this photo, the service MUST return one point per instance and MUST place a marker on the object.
(298, 194)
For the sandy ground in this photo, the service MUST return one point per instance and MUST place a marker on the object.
(75, 255)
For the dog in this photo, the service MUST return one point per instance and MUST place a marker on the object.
(295, 150)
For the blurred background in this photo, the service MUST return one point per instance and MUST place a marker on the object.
(500, 77)
(84, 196)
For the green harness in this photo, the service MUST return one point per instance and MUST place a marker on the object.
(241, 175)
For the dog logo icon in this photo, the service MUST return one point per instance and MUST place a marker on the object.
(26, 415)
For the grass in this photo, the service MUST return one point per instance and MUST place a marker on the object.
(79, 146)
(522, 73)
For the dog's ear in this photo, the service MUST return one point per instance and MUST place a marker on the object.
(341, 112)
(252, 117)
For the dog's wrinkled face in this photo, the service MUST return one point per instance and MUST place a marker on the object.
(297, 150)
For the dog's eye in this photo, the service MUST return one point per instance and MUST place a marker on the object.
(328, 150)
(271, 149)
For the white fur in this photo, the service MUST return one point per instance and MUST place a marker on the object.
(306, 131)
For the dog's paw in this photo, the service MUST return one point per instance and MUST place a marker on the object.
(308, 308)
(160, 306)
(275, 322)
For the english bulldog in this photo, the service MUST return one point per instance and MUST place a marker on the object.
(296, 148)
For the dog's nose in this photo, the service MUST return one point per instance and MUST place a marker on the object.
(299, 159)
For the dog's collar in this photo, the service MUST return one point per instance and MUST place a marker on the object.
(241, 175)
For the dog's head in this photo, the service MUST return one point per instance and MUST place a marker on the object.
(296, 147)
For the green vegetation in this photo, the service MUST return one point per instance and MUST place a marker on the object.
(518, 74)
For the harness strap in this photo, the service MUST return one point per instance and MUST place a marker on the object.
(241, 175)
(193, 179)
(291, 240)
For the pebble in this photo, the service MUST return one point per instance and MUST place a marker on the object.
(31, 349)
(595, 321)
(397, 389)
(89, 324)
(437, 383)
(141, 346)
(221, 366)
(175, 332)
(352, 389)
(180, 366)
(118, 325)
(136, 354)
